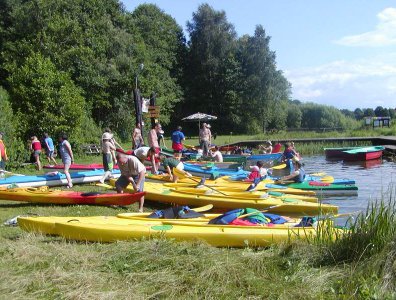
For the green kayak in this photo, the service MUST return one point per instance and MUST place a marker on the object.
(325, 188)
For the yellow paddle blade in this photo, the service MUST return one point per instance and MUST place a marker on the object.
(320, 174)
(278, 167)
(107, 186)
(203, 208)
(327, 179)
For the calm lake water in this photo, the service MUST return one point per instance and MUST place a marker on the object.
(373, 178)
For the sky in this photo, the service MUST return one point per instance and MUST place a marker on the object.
(339, 52)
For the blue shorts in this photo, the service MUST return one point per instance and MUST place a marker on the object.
(37, 153)
(2, 164)
(123, 182)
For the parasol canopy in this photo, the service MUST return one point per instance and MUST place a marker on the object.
(200, 117)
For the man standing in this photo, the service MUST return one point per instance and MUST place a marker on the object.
(3, 153)
(205, 138)
(137, 139)
(153, 143)
(49, 144)
(177, 138)
(132, 171)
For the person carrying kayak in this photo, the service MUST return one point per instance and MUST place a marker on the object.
(298, 175)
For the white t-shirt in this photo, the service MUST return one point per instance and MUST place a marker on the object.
(218, 156)
(141, 152)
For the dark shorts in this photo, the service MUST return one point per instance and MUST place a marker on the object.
(123, 182)
(2, 164)
(37, 153)
(50, 153)
(107, 162)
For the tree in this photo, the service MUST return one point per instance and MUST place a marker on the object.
(294, 116)
(359, 114)
(45, 99)
(210, 63)
(368, 112)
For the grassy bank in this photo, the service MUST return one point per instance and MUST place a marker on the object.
(359, 266)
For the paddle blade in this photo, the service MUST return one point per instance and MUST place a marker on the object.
(278, 167)
(203, 208)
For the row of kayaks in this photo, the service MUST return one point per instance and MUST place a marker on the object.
(223, 193)
(137, 226)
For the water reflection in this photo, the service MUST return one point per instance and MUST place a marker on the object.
(373, 178)
(373, 163)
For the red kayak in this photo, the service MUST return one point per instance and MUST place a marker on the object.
(45, 195)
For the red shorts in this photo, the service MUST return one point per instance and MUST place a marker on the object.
(156, 156)
(177, 147)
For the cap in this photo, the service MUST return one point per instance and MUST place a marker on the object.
(208, 125)
(269, 142)
(107, 136)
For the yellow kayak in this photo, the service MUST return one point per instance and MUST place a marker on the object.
(226, 183)
(160, 193)
(237, 192)
(110, 229)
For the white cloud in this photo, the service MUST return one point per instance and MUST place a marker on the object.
(383, 35)
(361, 83)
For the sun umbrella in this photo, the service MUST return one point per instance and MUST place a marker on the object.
(200, 117)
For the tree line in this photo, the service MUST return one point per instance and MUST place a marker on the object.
(71, 66)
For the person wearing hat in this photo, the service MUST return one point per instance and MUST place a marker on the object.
(132, 172)
(298, 175)
(108, 156)
(113, 141)
(3, 153)
(66, 154)
(177, 139)
(205, 138)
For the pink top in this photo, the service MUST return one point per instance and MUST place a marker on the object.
(36, 145)
(153, 139)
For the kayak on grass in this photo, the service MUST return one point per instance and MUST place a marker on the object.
(111, 229)
(45, 195)
(54, 179)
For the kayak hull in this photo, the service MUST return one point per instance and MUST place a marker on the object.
(98, 229)
(289, 206)
(44, 195)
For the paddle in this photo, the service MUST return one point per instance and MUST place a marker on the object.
(203, 208)
(8, 172)
(279, 167)
(261, 211)
(182, 174)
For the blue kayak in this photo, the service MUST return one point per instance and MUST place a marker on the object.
(54, 178)
(215, 171)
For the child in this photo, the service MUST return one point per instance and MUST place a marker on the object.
(258, 171)
(35, 147)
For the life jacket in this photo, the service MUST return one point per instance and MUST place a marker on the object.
(230, 216)
(176, 212)
(288, 153)
(301, 176)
